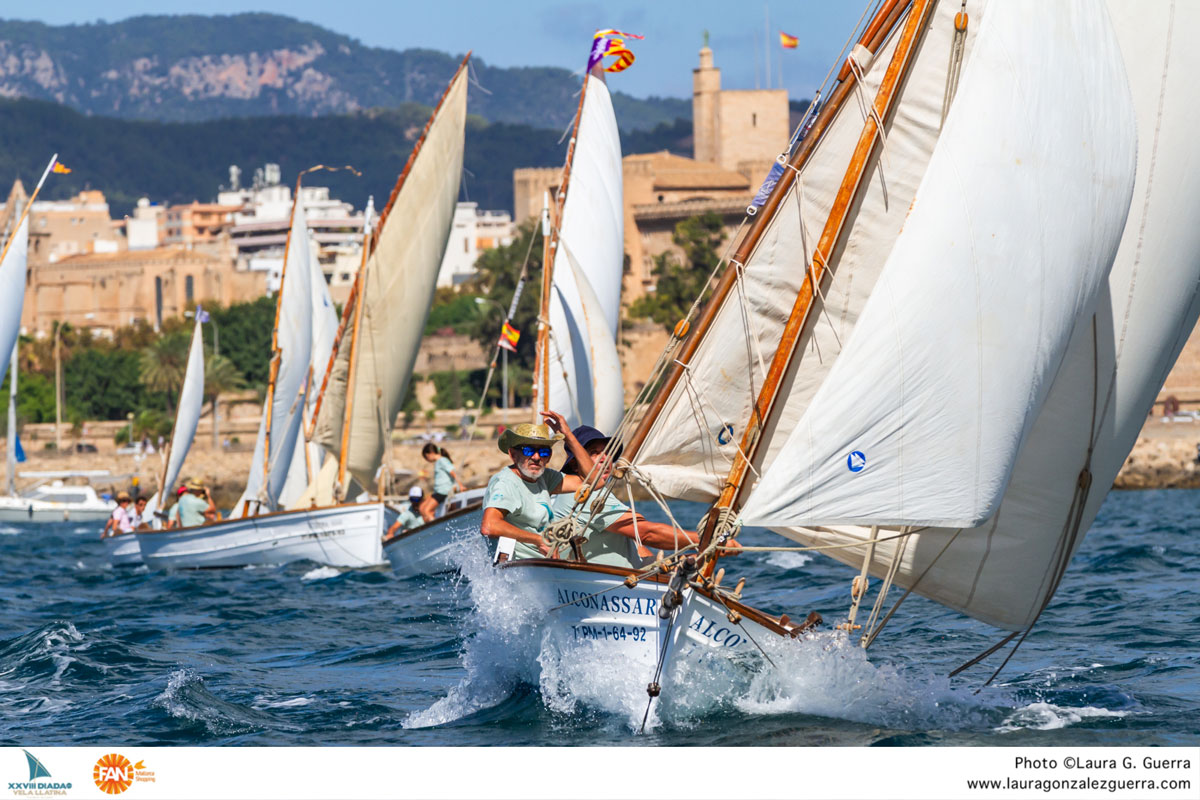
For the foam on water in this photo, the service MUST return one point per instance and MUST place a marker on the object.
(1048, 717)
(788, 560)
(321, 573)
(186, 697)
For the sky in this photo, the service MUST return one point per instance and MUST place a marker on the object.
(558, 33)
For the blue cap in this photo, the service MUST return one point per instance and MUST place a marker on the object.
(585, 434)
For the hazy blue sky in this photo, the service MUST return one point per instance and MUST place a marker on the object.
(555, 32)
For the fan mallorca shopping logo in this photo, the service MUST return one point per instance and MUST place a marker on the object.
(113, 773)
(40, 784)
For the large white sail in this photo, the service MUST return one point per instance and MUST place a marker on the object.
(691, 443)
(1007, 243)
(1004, 570)
(187, 417)
(307, 456)
(588, 268)
(374, 361)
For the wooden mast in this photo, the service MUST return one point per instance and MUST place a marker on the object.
(852, 182)
(549, 250)
(758, 227)
(359, 292)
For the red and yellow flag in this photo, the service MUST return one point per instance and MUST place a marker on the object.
(509, 336)
(788, 41)
(611, 42)
(61, 168)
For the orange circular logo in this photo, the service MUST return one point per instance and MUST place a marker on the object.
(113, 773)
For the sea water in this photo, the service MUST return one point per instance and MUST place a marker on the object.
(306, 655)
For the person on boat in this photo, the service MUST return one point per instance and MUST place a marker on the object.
(408, 518)
(445, 480)
(120, 521)
(518, 498)
(613, 531)
(139, 518)
(196, 506)
(173, 514)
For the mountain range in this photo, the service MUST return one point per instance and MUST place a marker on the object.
(191, 68)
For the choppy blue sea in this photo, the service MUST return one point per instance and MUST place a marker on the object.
(304, 655)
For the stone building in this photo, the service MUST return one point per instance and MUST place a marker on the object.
(472, 232)
(106, 291)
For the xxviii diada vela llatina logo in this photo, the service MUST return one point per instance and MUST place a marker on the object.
(40, 784)
(114, 774)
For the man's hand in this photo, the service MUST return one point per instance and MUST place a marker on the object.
(734, 545)
(556, 422)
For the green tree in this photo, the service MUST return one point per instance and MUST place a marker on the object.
(163, 363)
(220, 375)
(678, 284)
(102, 383)
(245, 333)
(498, 271)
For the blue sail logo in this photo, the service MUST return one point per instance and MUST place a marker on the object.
(856, 461)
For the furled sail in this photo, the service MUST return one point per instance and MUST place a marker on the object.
(1010, 236)
(374, 363)
(187, 417)
(585, 301)
(689, 446)
(1003, 571)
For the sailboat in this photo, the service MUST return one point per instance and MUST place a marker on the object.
(372, 365)
(935, 344)
(57, 502)
(578, 367)
(124, 549)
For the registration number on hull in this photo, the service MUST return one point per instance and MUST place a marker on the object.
(608, 633)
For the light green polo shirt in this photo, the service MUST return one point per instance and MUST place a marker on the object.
(602, 546)
(527, 503)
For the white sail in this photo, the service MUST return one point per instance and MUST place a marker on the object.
(585, 368)
(1007, 243)
(691, 443)
(12, 292)
(1003, 571)
(588, 268)
(187, 417)
(307, 456)
(364, 394)
(294, 351)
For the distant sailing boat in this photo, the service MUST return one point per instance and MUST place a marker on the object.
(578, 367)
(935, 344)
(361, 390)
(124, 548)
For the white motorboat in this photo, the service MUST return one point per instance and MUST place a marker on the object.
(427, 549)
(346, 535)
(56, 502)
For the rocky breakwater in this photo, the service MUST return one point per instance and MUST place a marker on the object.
(1160, 461)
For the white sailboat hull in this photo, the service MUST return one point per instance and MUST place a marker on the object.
(123, 550)
(20, 509)
(337, 536)
(625, 620)
(427, 550)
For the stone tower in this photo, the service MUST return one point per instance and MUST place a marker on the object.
(706, 88)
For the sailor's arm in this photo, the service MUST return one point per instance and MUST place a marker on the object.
(558, 424)
(495, 525)
(657, 534)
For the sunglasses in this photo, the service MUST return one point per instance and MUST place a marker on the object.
(528, 451)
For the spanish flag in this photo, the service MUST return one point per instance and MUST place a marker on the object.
(61, 168)
(789, 42)
(509, 336)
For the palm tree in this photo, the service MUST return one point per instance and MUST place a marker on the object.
(163, 365)
(220, 375)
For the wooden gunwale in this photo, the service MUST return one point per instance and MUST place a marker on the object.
(549, 250)
(746, 247)
(218, 523)
(390, 540)
(830, 236)
(772, 624)
(360, 287)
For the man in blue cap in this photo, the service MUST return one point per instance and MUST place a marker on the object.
(614, 530)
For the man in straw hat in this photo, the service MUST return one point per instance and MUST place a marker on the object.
(519, 497)
(120, 521)
(196, 506)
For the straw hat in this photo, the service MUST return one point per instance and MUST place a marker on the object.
(194, 484)
(528, 433)
(123, 496)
